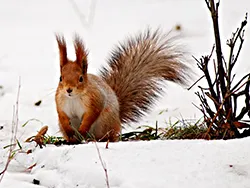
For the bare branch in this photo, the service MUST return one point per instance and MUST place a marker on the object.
(223, 123)
(86, 22)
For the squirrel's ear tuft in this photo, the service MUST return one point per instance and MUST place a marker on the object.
(81, 53)
(62, 49)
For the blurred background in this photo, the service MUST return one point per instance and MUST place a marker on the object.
(28, 49)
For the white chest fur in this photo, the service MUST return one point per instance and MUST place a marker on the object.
(74, 110)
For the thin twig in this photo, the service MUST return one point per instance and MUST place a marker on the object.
(13, 132)
(217, 83)
(103, 165)
(239, 34)
(241, 80)
(245, 109)
(195, 82)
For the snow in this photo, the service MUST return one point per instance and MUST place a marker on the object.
(28, 50)
(148, 164)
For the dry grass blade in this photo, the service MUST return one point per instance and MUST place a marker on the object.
(13, 132)
(103, 165)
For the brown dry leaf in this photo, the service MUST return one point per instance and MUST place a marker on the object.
(29, 151)
(30, 168)
(30, 139)
(39, 137)
(43, 130)
(241, 125)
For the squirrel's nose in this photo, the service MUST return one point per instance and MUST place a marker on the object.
(69, 90)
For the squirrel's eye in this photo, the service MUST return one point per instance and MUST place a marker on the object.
(60, 78)
(81, 79)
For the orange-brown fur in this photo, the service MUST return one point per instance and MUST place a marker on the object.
(95, 105)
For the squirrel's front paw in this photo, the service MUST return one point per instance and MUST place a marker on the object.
(72, 137)
(70, 133)
(73, 140)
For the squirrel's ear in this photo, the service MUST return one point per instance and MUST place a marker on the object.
(81, 54)
(62, 50)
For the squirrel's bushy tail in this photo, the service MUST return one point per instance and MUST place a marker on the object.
(136, 68)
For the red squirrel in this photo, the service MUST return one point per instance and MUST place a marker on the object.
(95, 106)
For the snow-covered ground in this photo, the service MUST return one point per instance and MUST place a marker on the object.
(28, 50)
(154, 164)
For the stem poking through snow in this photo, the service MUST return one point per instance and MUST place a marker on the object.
(14, 128)
(103, 165)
